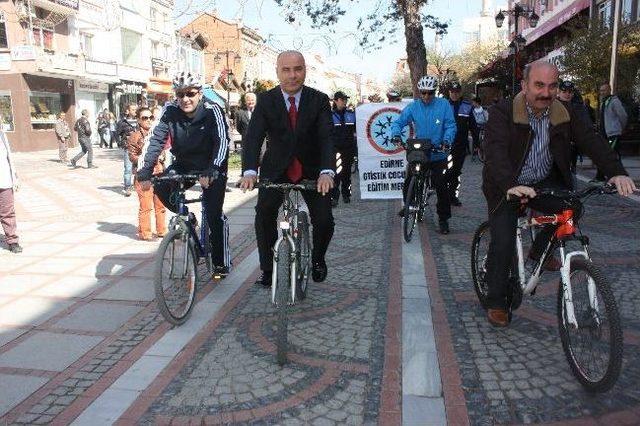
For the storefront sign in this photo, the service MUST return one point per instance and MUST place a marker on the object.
(380, 163)
(557, 18)
(58, 61)
(5, 61)
(554, 57)
(157, 63)
(130, 88)
(23, 52)
(92, 86)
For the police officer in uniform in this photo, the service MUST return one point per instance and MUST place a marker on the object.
(344, 141)
(463, 112)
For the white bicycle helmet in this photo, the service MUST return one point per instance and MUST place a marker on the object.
(185, 80)
(428, 82)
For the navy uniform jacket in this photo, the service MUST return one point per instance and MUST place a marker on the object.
(200, 143)
(463, 112)
(344, 128)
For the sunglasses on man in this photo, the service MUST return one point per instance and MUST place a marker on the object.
(189, 94)
(428, 92)
(147, 117)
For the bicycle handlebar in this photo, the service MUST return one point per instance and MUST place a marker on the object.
(172, 176)
(423, 145)
(305, 185)
(570, 194)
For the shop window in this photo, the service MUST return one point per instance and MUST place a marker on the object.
(131, 48)
(605, 15)
(4, 43)
(44, 108)
(6, 112)
(627, 10)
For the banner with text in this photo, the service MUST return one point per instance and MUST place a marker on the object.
(380, 163)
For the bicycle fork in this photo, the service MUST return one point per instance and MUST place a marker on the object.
(285, 238)
(565, 272)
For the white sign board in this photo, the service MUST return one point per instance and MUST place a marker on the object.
(23, 52)
(380, 163)
(92, 86)
(5, 61)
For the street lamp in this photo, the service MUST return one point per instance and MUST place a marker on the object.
(229, 72)
(519, 42)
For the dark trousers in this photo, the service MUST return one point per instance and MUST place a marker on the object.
(85, 145)
(269, 201)
(458, 154)
(613, 143)
(439, 182)
(503, 222)
(344, 161)
(213, 200)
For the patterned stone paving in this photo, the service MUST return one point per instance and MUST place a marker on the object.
(520, 374)
(334, 373)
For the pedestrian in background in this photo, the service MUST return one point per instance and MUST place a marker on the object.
(465, 122)
(481, 116)
(112, 130)
(63, 134)
(8, 186)
(612, 119)
(136, 149)
(124, 128)
(243, 115)
(103, 128)
(343, 136)
(83, 128)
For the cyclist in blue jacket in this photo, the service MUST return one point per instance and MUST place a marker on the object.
(199, 137)
(432, 119)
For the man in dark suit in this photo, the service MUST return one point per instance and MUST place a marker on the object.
(296, 120)
(243, 116)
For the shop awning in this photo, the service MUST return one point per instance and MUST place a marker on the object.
(556, 20)
(159, 85)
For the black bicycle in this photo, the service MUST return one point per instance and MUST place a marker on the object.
(291, 257)
(177, 258)
(420, 187)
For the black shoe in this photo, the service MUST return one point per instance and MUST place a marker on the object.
(401, 212)
(334, 202)
(92, 166)
(319, 271)
(265, 279)
(455, 202)
(72, 162)
(346, 199)
(444, 227)
(15, 248)
(220, 272)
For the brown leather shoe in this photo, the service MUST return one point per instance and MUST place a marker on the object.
(498, 317)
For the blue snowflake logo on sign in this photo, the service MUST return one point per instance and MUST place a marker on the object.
(379, 130)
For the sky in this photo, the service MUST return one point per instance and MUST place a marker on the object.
(336, 44)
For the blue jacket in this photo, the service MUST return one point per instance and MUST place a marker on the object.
(430, 121)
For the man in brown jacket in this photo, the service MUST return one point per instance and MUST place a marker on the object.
(528, 146)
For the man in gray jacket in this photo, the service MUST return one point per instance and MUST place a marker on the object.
(613, 119)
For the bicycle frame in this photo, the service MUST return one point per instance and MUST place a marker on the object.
(565, 232)
(290, 207)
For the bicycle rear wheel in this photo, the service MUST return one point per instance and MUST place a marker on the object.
(303, 242)
(594, 348)
(175, 277)
(282, 297)
(479, 255)
(411, 207)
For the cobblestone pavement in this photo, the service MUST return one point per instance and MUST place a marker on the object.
(337, 346)
(519, 374)
(76, 307)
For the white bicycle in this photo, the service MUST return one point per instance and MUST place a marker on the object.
(587, 312)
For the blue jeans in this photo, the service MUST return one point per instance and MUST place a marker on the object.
(128, 179)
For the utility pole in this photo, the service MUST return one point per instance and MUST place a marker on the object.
(614, 46)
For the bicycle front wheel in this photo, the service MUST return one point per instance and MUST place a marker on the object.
(303, 259)
(479, 255)
(175, 277)
(411, 207)
(593, 348)
(283, 294)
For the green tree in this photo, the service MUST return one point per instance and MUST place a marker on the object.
(377, 25)
(263, 85)
(589, 62)
(401, 82)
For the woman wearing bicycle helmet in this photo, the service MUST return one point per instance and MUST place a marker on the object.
(197, 128)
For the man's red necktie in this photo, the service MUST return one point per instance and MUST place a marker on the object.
(294, 171)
